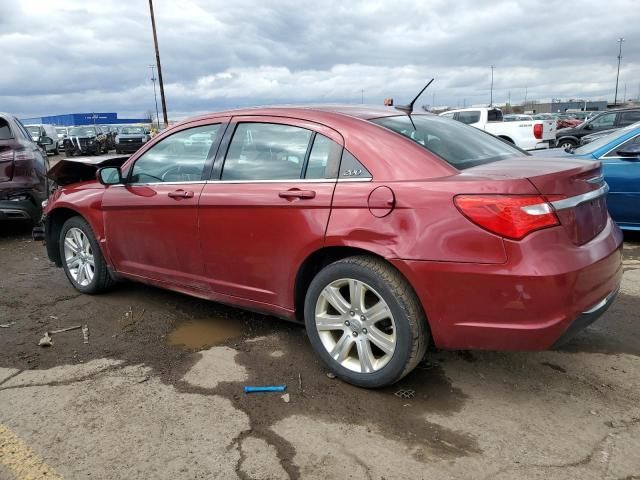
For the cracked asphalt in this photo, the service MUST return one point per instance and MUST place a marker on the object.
(157, 393)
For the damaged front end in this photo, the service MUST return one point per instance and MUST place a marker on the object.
(92, 145)
(74, 170)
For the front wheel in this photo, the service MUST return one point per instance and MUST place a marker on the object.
(82, 259)
(365, 321)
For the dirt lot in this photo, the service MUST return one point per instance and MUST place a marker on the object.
(157, 393)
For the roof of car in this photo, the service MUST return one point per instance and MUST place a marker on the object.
(364, 112)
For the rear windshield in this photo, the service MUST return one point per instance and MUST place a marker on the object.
(5, 131)
(458, 144)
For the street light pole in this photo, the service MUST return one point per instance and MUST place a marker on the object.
(155, 95)
(491, 98)
(615, 98)
(155, 42)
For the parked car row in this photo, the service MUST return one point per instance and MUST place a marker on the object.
(91, 139)
(568, 138)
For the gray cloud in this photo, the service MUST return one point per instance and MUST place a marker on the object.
(72, 55)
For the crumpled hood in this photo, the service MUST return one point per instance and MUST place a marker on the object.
(73, 170)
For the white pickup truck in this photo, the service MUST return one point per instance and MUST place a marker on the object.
(528, 135)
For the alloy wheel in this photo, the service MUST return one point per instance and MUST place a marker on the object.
(355, 325)
(78, 256)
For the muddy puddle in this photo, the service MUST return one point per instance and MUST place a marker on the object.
(204, 333)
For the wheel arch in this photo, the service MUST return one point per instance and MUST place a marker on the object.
(53, 225)
(319, 259)
(506, 138)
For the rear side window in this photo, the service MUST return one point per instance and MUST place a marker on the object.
(468, 117)
(459, 145)
(323, 158)
(268, 151)
(5, 130)
(495, 115)
(627, 118)
(351, 168)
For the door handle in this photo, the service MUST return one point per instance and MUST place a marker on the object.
(295, 193)
(180, 194)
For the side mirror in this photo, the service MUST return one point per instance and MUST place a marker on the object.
(45, 141)
(109, 176)
(630, 151)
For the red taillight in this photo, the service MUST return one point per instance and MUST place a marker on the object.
(537, 131)
(511, 216)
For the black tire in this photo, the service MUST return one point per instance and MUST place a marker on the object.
(101, 279)
(412, 332)
(567, 143)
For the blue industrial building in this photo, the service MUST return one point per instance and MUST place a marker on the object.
(70, 119)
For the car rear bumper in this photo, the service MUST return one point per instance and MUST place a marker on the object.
(18, 210)
(543, 294)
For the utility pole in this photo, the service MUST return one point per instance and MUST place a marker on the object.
(491, 98)
(615, 98)
(155, 95)
(155, 42)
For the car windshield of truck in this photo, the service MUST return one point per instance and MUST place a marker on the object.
(34, 131)
(458, 144)
(82, 132)
(591, 147)
(132, 131)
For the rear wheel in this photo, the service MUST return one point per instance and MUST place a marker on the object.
(566, 144)
(82, 259)
(365, 321)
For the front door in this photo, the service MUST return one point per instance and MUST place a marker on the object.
(268, 207)
(623, 176)
(151, 221)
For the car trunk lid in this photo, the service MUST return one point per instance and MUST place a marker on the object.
(575, 188)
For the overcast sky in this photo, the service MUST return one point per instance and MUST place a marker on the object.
(92, 56)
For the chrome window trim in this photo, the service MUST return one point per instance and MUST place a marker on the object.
(579, 199)
(291, 180)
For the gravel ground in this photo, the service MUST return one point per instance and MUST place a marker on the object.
(157, 393)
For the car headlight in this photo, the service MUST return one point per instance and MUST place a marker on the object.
(117, 139)
(144, 139)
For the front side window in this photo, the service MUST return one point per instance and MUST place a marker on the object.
(459, 145)
(604, 121)
(266, 151)
(180, 157)
(468, 117)
(634, 141)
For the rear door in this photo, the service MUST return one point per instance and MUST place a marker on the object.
(151, 221)
(267, 205)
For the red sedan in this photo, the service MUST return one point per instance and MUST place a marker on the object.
(382, 232)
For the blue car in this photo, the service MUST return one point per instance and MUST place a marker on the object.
(619, 153)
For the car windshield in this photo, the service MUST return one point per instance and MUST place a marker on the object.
(61, 130)
(82, 132)
(458, 144)
(34, 131)
(132, 130)
(604, 140)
